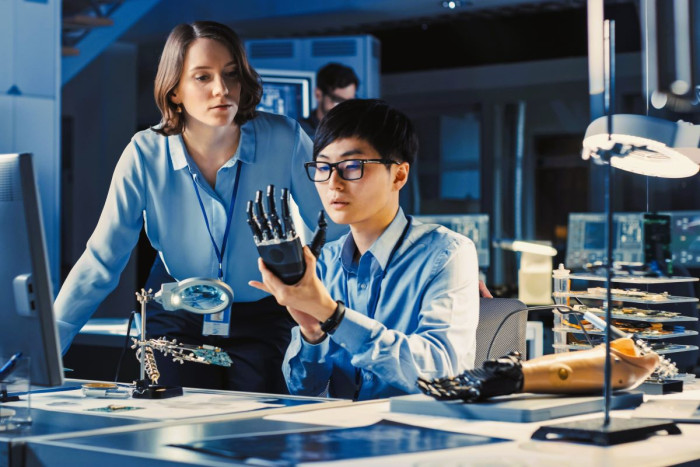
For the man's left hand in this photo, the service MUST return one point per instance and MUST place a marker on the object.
(308, 295)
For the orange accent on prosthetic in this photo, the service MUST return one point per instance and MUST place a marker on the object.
(583, 371)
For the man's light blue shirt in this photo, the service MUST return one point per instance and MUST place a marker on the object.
(423, 324)
(152, 187)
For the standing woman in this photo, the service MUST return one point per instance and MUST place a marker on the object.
(187, 181)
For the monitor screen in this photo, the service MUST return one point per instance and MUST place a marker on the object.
(685, 238)
(287, 92)
(27, 318)
(472, 226)
(586, 238)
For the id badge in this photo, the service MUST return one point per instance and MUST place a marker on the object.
(217, 324)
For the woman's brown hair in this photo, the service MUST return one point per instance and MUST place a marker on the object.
(172, 62)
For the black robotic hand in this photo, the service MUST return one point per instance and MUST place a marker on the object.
(497, 377)
(278, 243)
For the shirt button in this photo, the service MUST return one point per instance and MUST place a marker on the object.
(363, 286)
(368, 377)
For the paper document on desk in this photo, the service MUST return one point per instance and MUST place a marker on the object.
(187, 406)
(290, 448)
(679, 410)
(365, 413)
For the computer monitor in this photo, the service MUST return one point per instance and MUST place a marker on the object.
(27, 321)
(472, 226)
(287, 92)
(685, 238)
(586, 238)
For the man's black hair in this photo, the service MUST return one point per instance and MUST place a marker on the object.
(387, 130)
(335, 76)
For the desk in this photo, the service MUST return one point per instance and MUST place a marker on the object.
(148, 444)
(54, 420)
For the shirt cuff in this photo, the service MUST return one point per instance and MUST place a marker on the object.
(307, 350)
(354, 330)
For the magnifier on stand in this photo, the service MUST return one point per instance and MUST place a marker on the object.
(196, 295)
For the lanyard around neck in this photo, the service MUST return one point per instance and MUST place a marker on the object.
(229, 217)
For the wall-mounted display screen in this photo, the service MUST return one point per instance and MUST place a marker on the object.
(287, 92)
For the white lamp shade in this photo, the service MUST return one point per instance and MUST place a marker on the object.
(525, 247)
(656, 147)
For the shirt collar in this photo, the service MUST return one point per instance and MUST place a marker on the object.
(381, 248)
(385, 244)
(245, 151)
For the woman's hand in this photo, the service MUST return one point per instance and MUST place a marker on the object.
(484, 291)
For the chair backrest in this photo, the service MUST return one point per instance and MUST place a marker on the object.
(502, 327)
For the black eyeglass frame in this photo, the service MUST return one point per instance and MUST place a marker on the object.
(335, 98)
(334, 166)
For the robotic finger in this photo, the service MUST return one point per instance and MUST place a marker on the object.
(272, 217)
(276, 238)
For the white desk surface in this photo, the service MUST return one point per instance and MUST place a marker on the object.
(660, 450)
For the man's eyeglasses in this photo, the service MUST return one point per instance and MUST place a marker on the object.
(336, 99)
(349, 169)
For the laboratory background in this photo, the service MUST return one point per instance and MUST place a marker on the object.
(502, 94)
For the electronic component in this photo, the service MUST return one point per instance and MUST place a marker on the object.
(105, 390)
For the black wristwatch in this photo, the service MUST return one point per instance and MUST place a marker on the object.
(331, 324)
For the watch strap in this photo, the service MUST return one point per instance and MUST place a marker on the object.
(330, 325)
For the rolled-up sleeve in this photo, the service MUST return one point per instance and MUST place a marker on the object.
(97, 271)
(307, 367)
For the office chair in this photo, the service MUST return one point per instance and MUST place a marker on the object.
(502, 327)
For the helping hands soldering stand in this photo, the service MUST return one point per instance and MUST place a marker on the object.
(149, 388)
(196, 295)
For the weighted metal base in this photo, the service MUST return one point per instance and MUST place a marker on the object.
(155, 391)
(661, 387)
(618, 431)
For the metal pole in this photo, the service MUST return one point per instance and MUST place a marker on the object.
(519, 156)
(609, 37)
(142, 356)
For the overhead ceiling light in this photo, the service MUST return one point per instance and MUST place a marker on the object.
(647, 145)
(451, 4)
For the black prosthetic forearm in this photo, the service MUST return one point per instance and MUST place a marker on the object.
(319, 238)
(276, 238)
(497, 377)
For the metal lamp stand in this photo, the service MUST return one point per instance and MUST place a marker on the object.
(607, 431)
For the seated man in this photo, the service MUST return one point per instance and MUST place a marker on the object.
(394, 299)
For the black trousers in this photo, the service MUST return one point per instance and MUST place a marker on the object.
(259, 335)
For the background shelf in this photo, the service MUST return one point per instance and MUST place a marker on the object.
(627, 299)
(633, 279)
(675, 348)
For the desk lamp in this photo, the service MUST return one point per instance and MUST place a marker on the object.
(647, 146)
(196, 295)
(534, 270)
